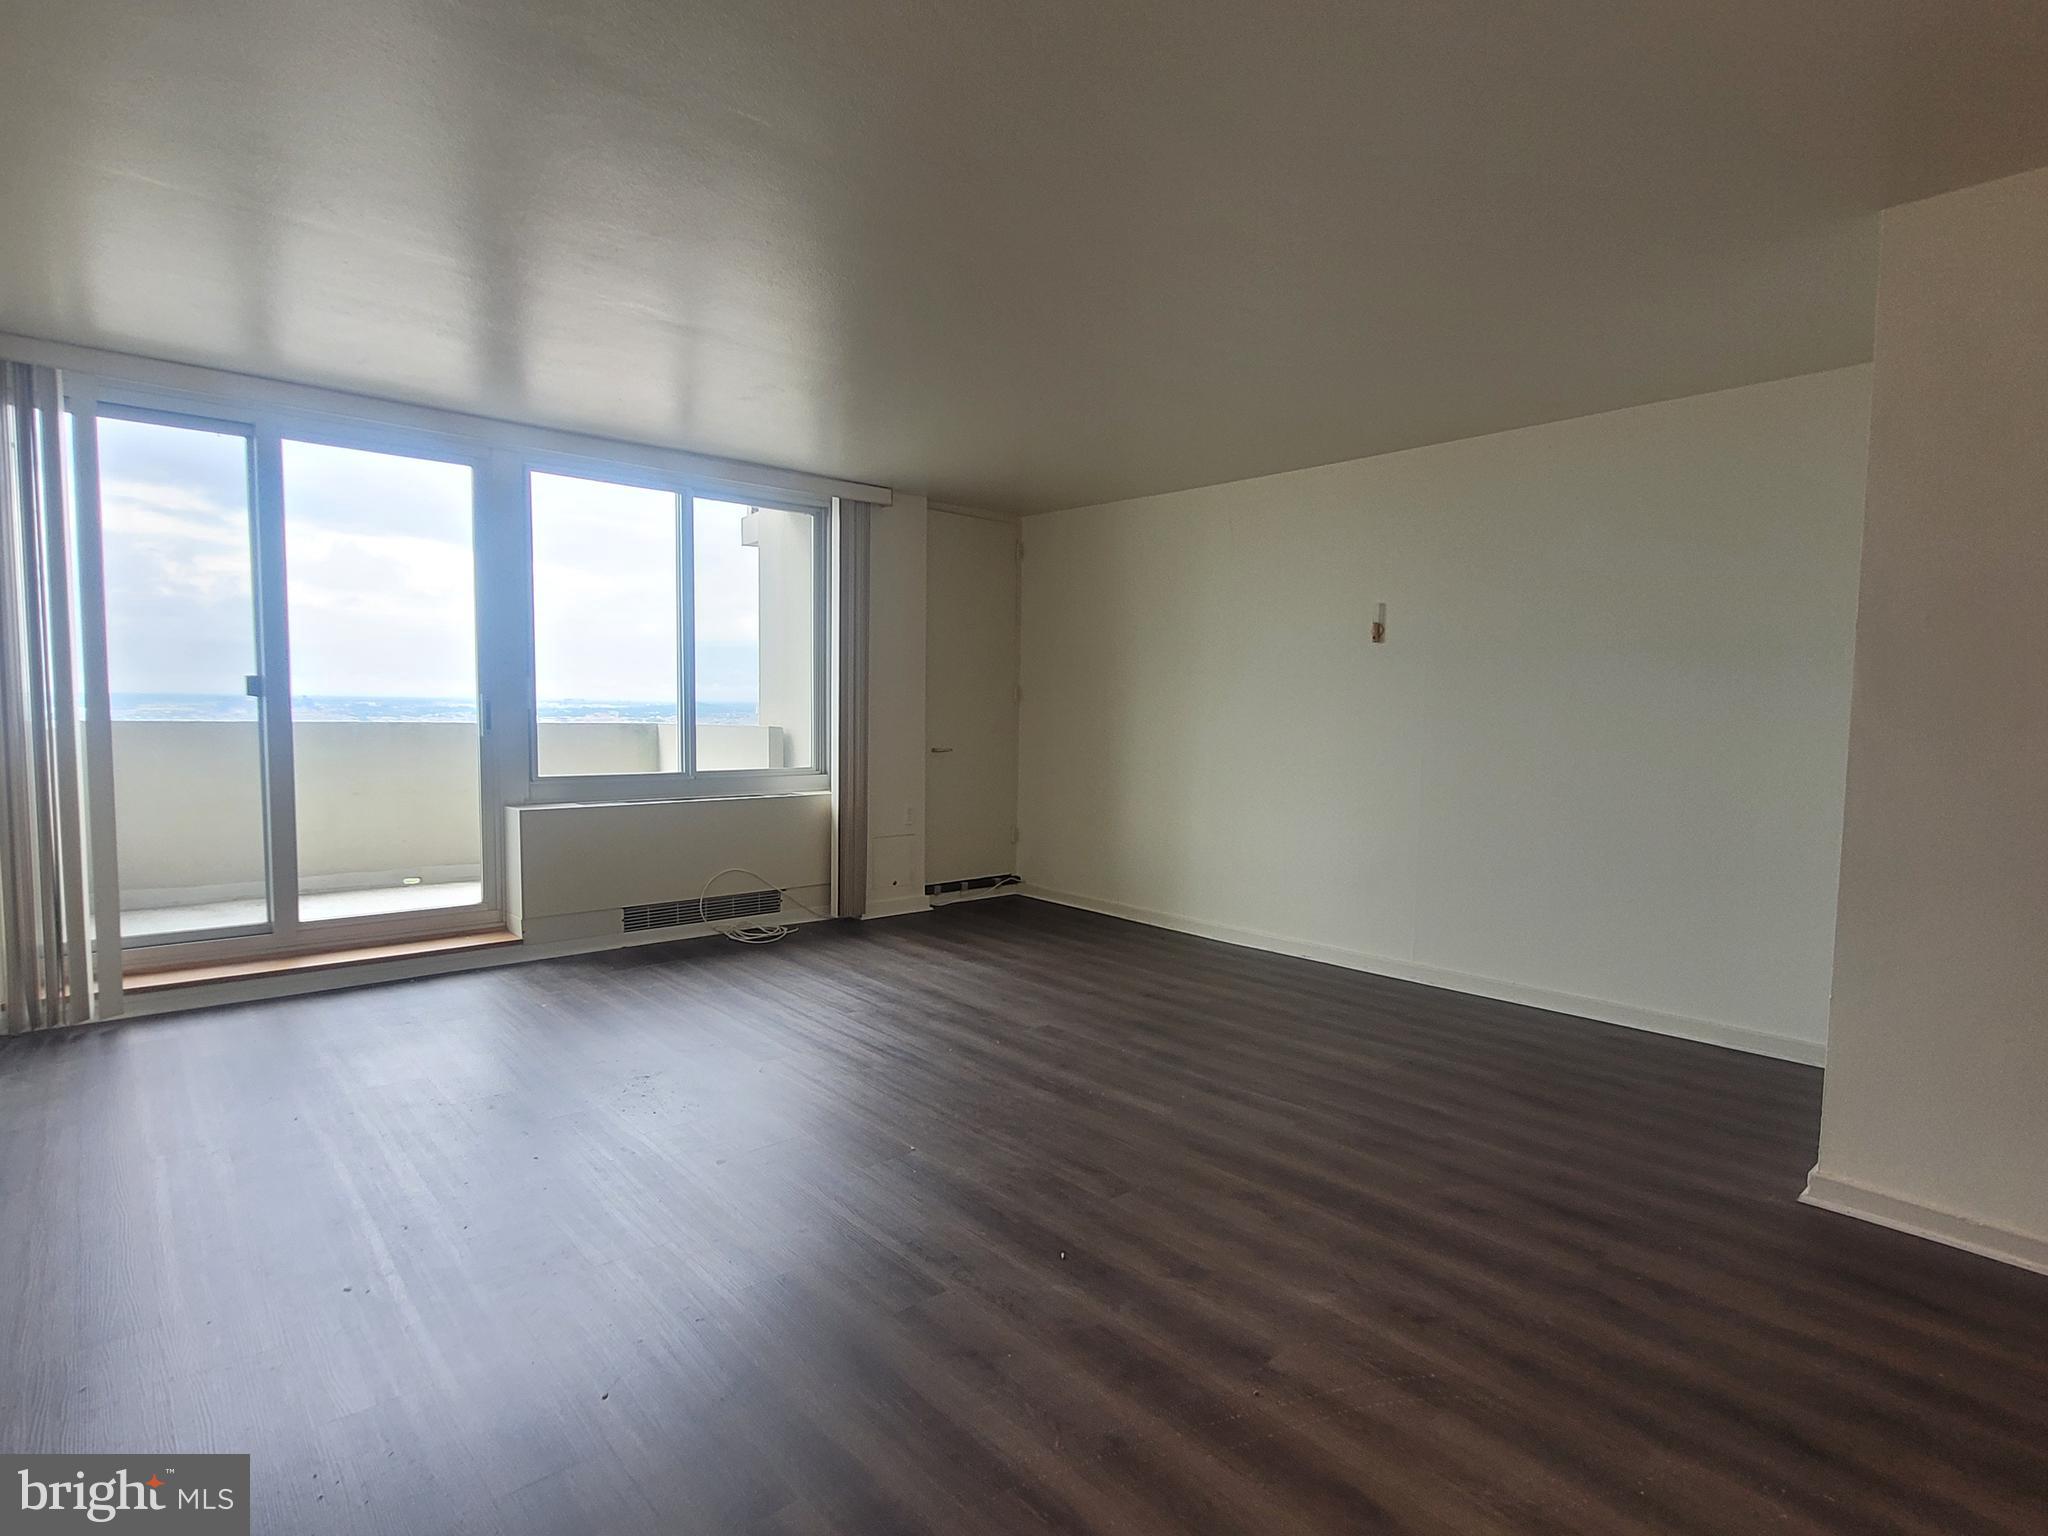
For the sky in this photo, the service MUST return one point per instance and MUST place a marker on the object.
(380, 581)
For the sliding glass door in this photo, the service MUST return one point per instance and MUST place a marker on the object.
(292, 661)
(380, 587)
(177, 521)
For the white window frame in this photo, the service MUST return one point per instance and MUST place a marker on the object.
(268, 427)
(688, 782)
(500, 453)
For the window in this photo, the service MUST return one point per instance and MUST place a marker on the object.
(757, 636)
(340, 640)
(607, 660)
(654, 606)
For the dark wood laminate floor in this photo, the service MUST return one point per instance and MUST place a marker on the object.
(1006, 1219)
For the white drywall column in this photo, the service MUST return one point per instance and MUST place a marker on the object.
(1936, 1114)
(896, 707)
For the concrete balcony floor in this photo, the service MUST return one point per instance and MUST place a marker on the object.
(314, 906)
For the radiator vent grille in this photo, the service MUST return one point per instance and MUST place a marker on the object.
(684, 914)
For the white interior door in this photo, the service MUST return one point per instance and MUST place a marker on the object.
(971, 698)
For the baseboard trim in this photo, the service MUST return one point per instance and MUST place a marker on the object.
(1736, 1037)
(1846, 1197)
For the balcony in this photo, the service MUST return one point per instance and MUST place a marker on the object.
(389, 812)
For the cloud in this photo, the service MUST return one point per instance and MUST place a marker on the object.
(381, 575)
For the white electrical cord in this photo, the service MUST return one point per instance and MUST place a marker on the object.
(752, 933)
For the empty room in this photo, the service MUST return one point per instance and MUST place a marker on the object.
(904, 769)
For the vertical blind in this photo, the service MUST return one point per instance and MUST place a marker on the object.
(45, 942)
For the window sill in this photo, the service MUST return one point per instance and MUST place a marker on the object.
(636, 789)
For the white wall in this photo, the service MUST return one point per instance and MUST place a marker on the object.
(971, 696)
(1598, 763)
(896, 740)
(1937, 1094)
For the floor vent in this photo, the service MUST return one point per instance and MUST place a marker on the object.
(686, 914)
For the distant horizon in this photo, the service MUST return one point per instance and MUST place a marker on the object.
(396, 707)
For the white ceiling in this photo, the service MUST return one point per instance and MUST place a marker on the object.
(1021, 253)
